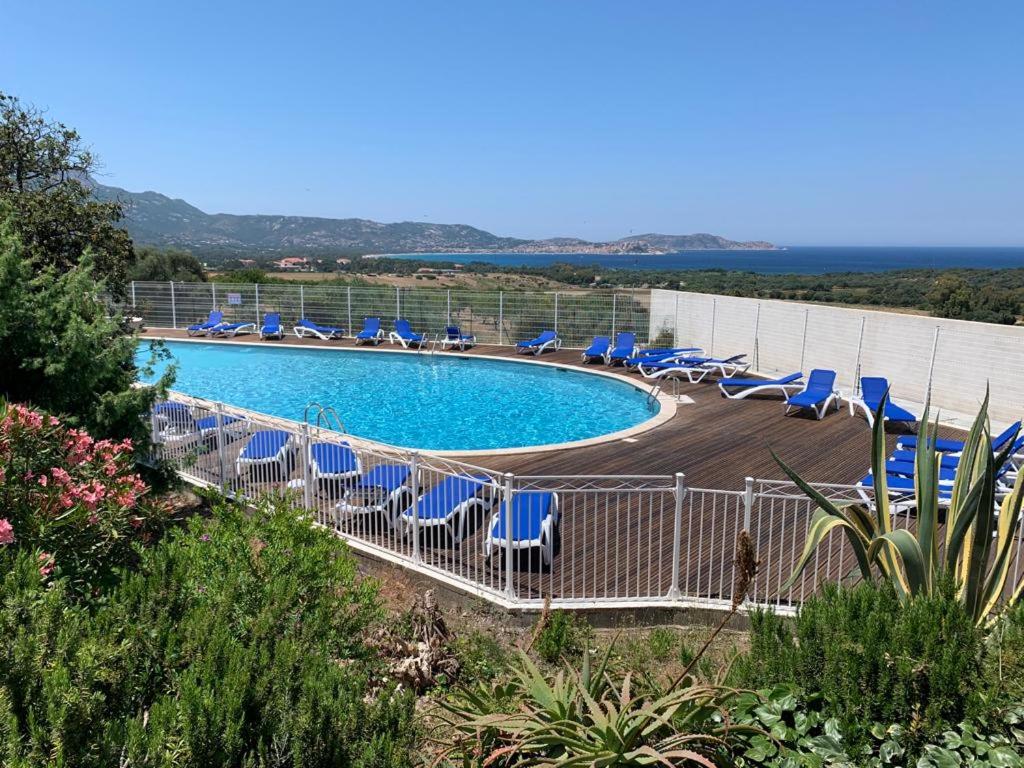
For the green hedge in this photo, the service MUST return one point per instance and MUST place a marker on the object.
(236, 642)
(871, 658)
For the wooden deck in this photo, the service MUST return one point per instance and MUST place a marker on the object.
(620, 544)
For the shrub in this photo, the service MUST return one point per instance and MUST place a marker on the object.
(1004, 657)
(237, 642)
(75, 500)
(561, 634)
(873, 658)
(65, 350)
(588, 717)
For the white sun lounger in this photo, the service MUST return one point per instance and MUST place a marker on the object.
(737, 389)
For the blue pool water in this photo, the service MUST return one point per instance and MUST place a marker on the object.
(440, 402)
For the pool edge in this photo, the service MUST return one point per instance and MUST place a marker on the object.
(666, 403)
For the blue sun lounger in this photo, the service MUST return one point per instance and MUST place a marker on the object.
(454, 337)
(533, 521)
(909, 442)
(231, 329)
(404, 335)
(372, 332)
(266, 448)
(382, 490)
(201, 329)
(737, 389)
(306, 327)
(901, 491)
(660, 355)
(449, 505)
(271, 327)
(174, 421)
(333, 461)
(625, 348)
(543, 341)
(695, 369)
(873, 391)
(597, 350)
(817, 395)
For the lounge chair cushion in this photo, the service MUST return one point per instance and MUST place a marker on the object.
(265, 444)
(334, 458)
(529, 510)
(439, 502)
(387, 477)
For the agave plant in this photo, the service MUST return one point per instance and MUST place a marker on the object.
(974, 545)
(587, 717)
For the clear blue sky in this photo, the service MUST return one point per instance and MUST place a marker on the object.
(797, 122)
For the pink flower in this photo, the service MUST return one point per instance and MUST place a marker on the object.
(54, 421)
(60, 475)
(47, 563)
(6, 532)
(42, 480)
(94, 518)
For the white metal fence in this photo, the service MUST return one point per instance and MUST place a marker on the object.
(597, 541)
(494, 317)
(949, 361)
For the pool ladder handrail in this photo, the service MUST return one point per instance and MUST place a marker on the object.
(326, 417)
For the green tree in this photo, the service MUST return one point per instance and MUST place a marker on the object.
(166, 264)
(63, 347)
(44, 179)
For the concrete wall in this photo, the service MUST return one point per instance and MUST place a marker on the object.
(953, 359)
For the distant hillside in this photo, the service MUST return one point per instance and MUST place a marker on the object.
(155, 219)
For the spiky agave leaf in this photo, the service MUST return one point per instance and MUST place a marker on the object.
(906, 551)
(826, 518)
(1006, 538)
(926, 496)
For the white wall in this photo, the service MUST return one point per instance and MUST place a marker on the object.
(782, 337)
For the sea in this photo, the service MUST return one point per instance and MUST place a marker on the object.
(803, 259)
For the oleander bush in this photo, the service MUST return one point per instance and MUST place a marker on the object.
(75, 501)
(235, 641)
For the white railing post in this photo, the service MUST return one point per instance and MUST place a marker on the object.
(856, 365)
(757, 340)
(398, 302)
(615, 297)
(133, 294)
(448, 312)
(675, 324)
(351, 330)
(257, 304)
(307, 474)
(414, 473)
(714, 323)
(174, 309)
(302, 302)
(748, 503)
(213, 295)
(803, 339)
(501, 315)
(556, 312)
(221, 459)
(931, 365)
(677, 536)
(510, 589)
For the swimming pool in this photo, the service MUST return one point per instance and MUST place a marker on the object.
(433, 402)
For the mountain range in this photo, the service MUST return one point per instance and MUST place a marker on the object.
(155, 219)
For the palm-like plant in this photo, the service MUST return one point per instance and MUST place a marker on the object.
(975, 547)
